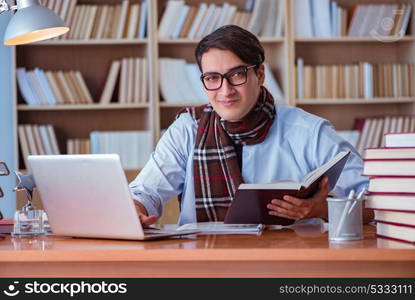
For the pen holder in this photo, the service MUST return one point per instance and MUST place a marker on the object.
(345, 219)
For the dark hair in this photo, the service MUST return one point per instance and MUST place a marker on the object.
(241, 42)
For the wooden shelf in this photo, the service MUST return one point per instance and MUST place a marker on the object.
(352, 39)
(97, 106)
(89, 42)
(355, 101)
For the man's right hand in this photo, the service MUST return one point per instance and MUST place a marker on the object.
(145, 219)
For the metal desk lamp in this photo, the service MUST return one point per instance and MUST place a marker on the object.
(32, 22)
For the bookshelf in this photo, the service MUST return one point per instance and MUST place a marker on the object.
(93, 58)
(352, 49)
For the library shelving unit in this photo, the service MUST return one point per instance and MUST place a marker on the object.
(347, 50)
(93, 58)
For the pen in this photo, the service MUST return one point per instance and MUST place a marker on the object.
(352, 194)
(359, 197)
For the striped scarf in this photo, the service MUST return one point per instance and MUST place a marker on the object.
(217, 174)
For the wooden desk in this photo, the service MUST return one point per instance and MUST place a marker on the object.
(283, 253)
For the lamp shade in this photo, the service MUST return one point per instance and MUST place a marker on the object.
(31, 23)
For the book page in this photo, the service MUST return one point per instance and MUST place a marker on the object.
(315, 174)
(221, 228)
(283, 184)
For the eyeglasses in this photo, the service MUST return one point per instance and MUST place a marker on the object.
(236, 76)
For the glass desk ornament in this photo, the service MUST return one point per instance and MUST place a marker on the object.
(28, 221)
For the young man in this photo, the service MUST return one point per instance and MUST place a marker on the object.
(240, 136)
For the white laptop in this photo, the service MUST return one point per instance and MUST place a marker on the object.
(88, 196)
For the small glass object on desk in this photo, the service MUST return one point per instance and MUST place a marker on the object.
(28, 221)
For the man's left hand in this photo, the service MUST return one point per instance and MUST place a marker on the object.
(297, 209)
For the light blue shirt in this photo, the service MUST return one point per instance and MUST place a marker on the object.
(297, 143)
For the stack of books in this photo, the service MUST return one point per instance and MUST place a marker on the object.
(392, 186)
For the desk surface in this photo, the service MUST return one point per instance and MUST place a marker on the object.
(283, 253)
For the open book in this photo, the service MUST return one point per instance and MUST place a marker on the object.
(250, 203)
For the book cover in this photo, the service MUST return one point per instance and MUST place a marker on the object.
(399, 139)
(391, 201)
(6, 225)
(386, 242)
(121, 20)
(395, 217)
(405, 233)
(386, 166)
(250, 202)
(392, 184)
(110, 82)
(389, 153)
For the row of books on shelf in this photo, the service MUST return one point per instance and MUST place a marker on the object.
(359, 80)
(391, 171)
(39, 87)
(134, 147)
(180, 82)
(37, 140)
(78, 146)
(372, 130)
(325, 19)
(131, 75)
(104, 21)
(180, 20)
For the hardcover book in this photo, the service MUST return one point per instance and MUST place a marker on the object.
(395, 217)
(392, 184)
(399, 232)
(389, 167)
(400, 139)
(391, 201)
(250, 202)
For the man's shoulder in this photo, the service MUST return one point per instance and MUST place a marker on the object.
(296, 117)
(184, 123)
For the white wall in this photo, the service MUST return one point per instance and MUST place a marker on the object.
(7, 120)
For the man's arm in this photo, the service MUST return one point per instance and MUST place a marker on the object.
(314, 207)
(296, 209)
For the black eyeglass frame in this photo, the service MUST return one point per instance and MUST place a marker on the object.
(225, 75)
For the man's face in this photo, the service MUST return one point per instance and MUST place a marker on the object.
(232, 103)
